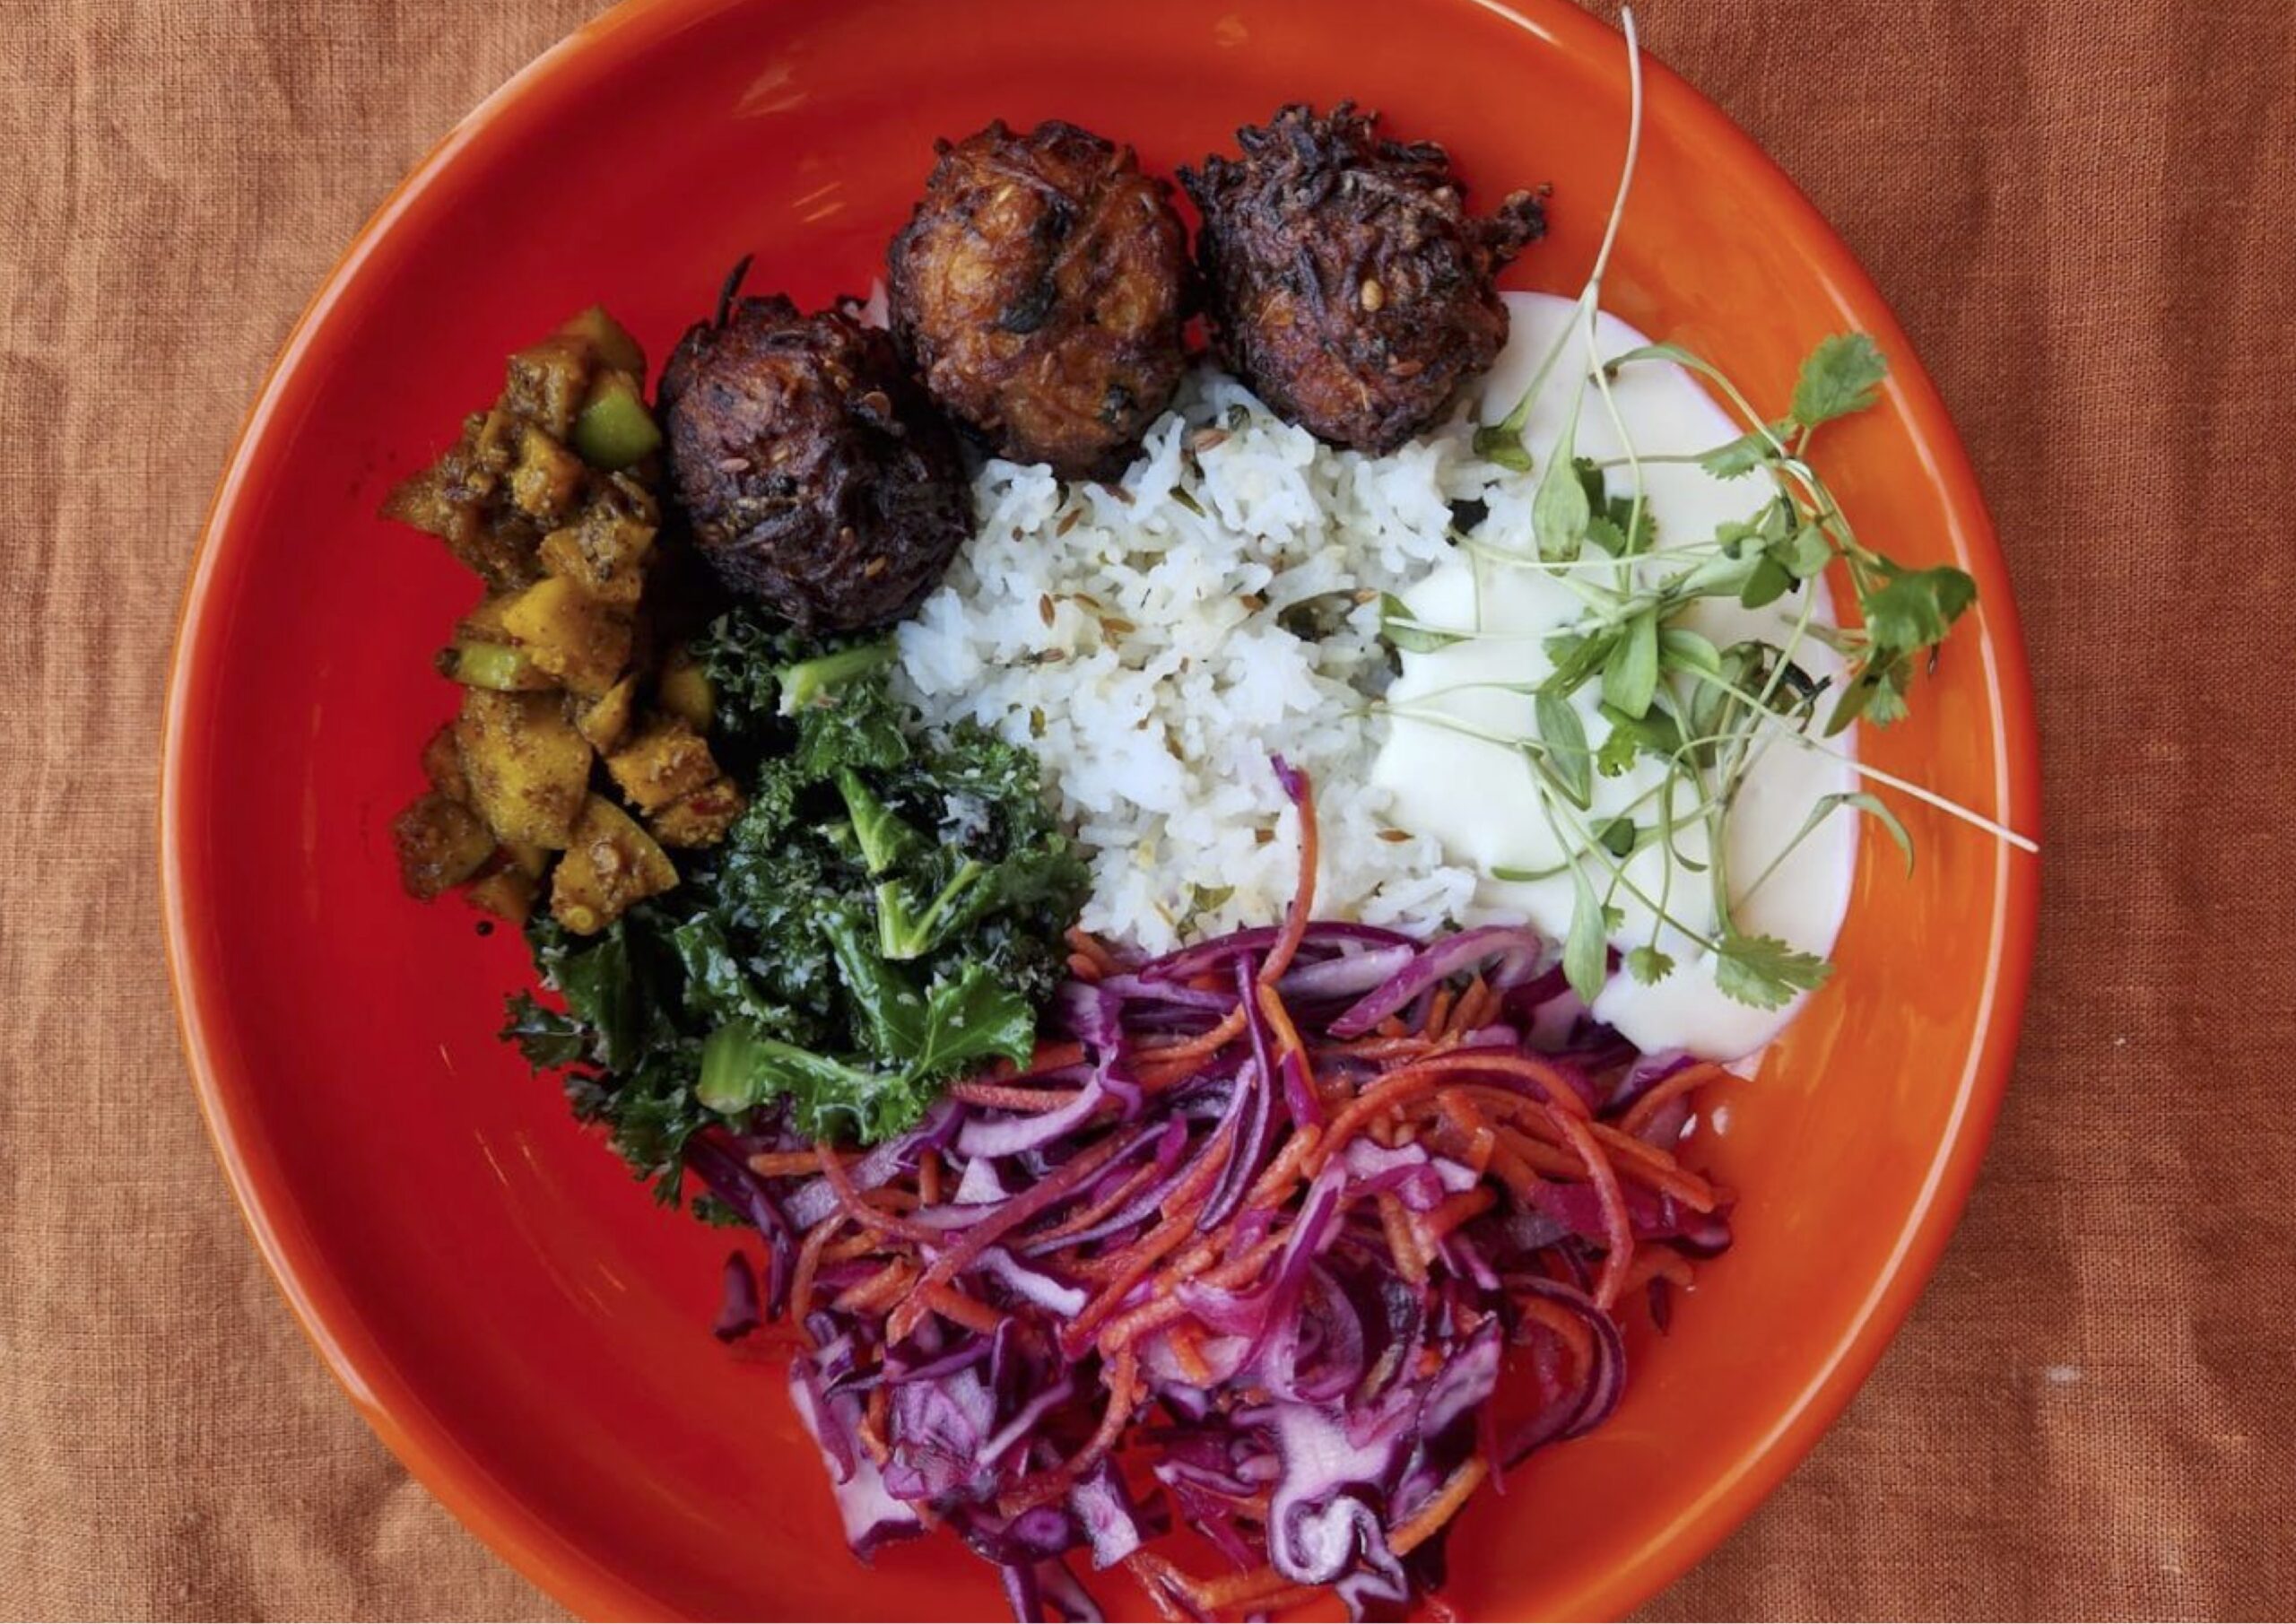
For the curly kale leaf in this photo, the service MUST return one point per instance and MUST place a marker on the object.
(887, 914)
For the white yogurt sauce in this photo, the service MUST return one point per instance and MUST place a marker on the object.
(1478, 798)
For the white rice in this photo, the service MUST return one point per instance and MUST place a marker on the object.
(1138, 645)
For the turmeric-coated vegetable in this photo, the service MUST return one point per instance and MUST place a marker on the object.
(578, 639)
(528, 767)
(605, 721)
(666, 759)
(700, 818)
(440, 844)
(684, 691)
(609, 864)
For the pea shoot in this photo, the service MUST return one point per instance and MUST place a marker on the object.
(1665, 693)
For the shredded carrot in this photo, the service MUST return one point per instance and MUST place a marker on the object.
(1475, 1009)
(809, 1263)
(1565, 1324)
(1539, 1155)
(1558, 1094)
(928, 1179)
(1188, 1353)
(868, 1216)
(1083, 969)
(1303, 900)
(1204, 1044)
(1007, 1097)
(1284, 1172)
(1438, 1014)
(959, 1310)
(882, 1287)
(1639, 1115)
(1183, 1203)
(1155, 1076)
(1420, 1526)
(785, 1164)
(1511, 1171)
(1160, 1311)
(1162, 1582)
(1247, 1264)
(1656, 1263)
(1086, 1217)
(955, 1259)
(1421, 1077)
(1122, 1379)
(1279, 1022)
(1139, 1262)
(1048, 1056)
(1376, 1048)
(1088, 946)
(1263, 1590)
(1453, 1211)
(1474, 1133)
(1599, 1172)
(859, 1244)
(1402, 1241)
(874, 1415)
(1655, 1167)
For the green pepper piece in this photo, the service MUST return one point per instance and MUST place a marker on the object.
(615, 429)
(495, 665)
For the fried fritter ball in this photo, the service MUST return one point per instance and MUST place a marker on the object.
(816, 476)
(1348, 285)
(1039, 291)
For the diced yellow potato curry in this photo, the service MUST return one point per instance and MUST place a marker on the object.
(578, 716)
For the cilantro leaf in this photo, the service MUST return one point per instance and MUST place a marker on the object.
(1766, 973)
(1755, 448)
(1649, 966)
(1915, 608)
(1621, 745)
(1842, 374)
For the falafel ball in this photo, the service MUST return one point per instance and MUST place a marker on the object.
(1039, 291)
(1348, 284)
(817, 477)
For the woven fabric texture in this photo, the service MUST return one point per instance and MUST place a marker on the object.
(2081, 213)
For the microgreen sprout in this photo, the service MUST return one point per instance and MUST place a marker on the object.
(1664, 692)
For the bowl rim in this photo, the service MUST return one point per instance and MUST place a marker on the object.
(387, 1399)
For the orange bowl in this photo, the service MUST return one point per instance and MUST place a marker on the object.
(515, 1315)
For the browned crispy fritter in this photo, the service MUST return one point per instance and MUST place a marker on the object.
(1348, 285)
(817, 477)
(1038, 289)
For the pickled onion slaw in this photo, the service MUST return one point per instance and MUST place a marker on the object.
(1246, 1247)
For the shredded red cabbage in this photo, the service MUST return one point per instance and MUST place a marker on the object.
(1241, 1254)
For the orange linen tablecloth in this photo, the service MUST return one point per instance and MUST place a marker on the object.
(2081, 211)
